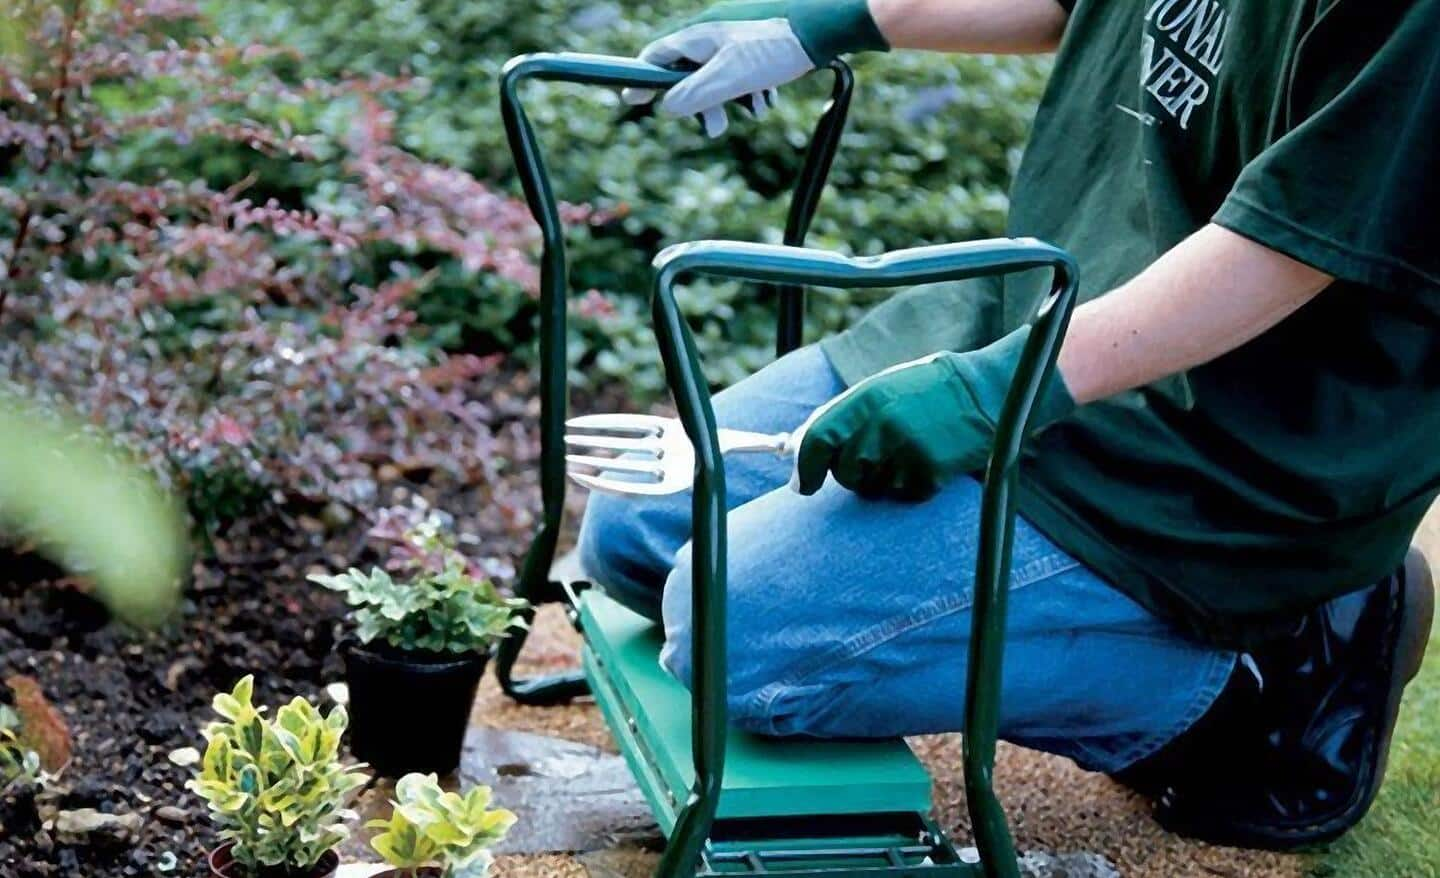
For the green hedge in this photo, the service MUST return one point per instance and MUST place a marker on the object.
(928, 154)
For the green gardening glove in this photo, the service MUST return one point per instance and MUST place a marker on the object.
(903, 433)
(748, 48)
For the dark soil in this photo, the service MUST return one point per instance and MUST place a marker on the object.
(131, 698)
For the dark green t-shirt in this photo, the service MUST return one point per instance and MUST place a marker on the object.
(1296, 467)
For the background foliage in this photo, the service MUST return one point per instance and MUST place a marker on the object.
(214, 258)
(284, 237)
(930, 148)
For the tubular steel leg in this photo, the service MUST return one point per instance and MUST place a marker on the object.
(790, 331)
(982, 690)
(534, 583)
(992, 581)
(709, 709)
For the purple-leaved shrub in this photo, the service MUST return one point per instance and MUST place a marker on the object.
(253, 346)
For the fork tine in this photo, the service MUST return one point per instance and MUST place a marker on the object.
(646, 424)
(616, 486)
(605, 442)
(616, 464)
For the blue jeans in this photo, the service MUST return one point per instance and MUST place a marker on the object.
(851, 617)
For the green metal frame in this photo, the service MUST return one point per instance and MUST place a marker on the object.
(534, 583)
(793, 265)
(789, 268)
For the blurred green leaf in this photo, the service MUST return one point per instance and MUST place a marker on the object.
(91, 510)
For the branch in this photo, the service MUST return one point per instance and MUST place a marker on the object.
(73, 19)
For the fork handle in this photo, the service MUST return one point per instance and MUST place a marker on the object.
(744, 440)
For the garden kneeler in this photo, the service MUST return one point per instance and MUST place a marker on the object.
(731, 802)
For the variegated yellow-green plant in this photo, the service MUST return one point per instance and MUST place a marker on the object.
(431, 827)
(276, 788)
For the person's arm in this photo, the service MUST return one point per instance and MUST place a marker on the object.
(905, 432)
(1000, 26)
(1205, 297)
(748, 48)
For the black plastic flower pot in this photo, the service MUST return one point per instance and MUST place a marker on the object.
(409, 710)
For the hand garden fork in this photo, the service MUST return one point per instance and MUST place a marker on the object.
(653, 456)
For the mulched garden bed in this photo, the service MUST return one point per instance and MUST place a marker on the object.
(131, 699)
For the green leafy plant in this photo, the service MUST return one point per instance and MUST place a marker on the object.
(442, 605)
(276, 788)
(18, 763)
(431, 827)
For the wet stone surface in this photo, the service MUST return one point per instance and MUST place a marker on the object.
(568, 796)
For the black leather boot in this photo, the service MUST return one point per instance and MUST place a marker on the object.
(1294, 756)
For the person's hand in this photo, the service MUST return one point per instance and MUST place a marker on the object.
(746, 49)
(903, 433)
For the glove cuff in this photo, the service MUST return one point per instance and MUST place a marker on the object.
(828, 29)
(989, 371)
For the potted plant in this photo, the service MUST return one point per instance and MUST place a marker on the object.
(432, 833)
(420, 645)
(276, 788)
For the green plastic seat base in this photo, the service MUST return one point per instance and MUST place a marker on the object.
(854, 800)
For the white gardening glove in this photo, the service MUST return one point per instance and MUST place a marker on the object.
(748, 48)
(738, 59)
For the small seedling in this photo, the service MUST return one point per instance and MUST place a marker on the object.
(18, 763)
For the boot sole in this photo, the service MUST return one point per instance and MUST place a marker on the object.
(1419, 618)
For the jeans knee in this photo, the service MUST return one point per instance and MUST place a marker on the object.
(616, 551)
(677, 614)
(755, 662)
(602, 532)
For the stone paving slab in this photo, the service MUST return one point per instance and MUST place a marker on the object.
(568, 796)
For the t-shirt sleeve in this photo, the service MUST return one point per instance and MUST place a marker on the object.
(1352, 186)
